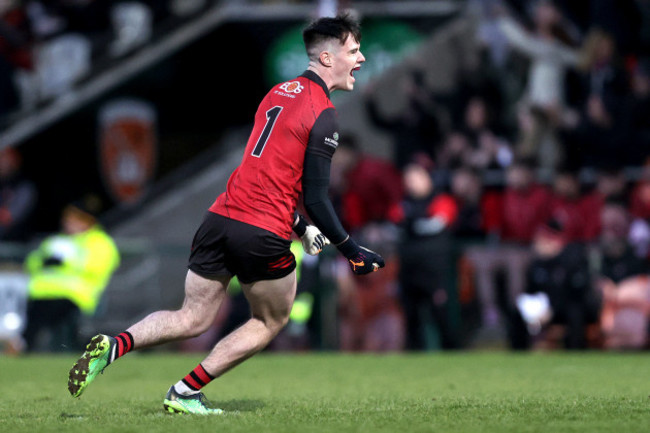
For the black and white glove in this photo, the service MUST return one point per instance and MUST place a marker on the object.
(362, 260)
(312, 239)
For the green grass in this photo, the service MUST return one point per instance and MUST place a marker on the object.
(438, 392)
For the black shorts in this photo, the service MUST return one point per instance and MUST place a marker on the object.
(226, 247)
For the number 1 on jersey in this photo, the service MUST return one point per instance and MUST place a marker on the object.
(271, 116)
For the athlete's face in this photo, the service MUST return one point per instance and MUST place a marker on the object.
(346, 59)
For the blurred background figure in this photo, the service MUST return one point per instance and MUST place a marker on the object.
(596, 135)
(501, 267)
(363, 186)
(475, 142)
(559, 302)
(525, 203)
(15, 52)
(626, 313)
(550, 51)
(68, 274)
(573, 209)
(18, 197)
(425, 216)
(371, 317)
(417, 128)
(478, 207)
(640, 213)
(622, 278)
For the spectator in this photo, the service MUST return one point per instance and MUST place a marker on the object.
(366, 186)
(622, 280)
(568, 208)
(543, 104)
(621, 19)
(525, 204)
(17, 198)
(15, 52)
(559, 273)
(425, 217)
(490, 150)
(625, 313)
(597, 133)
(68, 274)
(640, 196)
(475, 144)
(617, 259)
(640, 212)
(478, 209)
(610, 185)
(455, 152)
(417, 128)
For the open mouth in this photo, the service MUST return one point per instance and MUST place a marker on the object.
(353, 70)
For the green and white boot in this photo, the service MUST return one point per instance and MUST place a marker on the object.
(92, 362)
(195, 404)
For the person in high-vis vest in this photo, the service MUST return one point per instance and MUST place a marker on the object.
(68, 273)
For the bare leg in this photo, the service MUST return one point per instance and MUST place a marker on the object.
(202, 300)
(270, 302)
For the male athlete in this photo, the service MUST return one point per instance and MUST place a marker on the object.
(247, 230)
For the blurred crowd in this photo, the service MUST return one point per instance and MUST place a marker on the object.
(516, 206)
(46, 46)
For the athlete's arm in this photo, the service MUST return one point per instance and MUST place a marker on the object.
(316, 177)
(315, 186)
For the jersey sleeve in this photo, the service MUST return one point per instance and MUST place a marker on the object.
(323, 137)
(316, 177)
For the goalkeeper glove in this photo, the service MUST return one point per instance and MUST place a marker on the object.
(312, 239)
(362, 260)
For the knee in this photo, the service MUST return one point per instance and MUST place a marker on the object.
(275, 324)
(193, 324)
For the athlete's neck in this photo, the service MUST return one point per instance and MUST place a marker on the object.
(322, 74)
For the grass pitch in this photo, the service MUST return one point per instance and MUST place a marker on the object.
(437, 392)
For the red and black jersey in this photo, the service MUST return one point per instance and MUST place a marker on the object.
(294, 117)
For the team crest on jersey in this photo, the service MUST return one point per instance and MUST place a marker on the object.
(292, 87)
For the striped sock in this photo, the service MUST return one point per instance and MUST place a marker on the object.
(197, 378)
(124, 345)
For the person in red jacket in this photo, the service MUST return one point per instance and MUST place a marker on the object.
(572, 208)
(525, 204)
(366, 186)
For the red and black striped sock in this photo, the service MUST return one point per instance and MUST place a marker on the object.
(124, 345)
(197, 378)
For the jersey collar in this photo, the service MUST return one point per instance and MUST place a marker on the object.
(313, 76)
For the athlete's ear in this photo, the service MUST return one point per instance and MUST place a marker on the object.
(325, 58)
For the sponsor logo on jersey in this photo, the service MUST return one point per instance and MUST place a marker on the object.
(277, 92)
(332, 141)
(292, 87)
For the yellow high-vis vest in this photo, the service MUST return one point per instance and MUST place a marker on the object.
(76, 267)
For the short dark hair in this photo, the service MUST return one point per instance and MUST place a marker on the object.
(338, 28)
